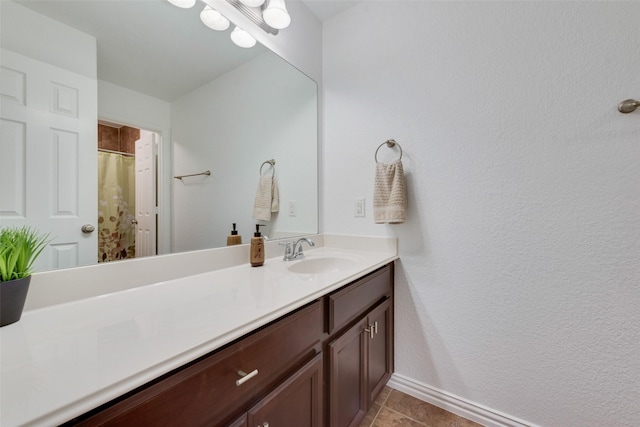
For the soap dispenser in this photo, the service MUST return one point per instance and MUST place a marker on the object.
(256, 254)
(234, 238)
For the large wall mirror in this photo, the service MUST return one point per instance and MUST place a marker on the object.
(110, 100)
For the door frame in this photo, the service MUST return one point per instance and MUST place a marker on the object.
(163, 173)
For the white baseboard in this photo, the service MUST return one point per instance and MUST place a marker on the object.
(459, 406)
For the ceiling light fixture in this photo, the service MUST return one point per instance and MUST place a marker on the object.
(185, 4)
(276, 15)
(254, 14)
(241, 38)
(214, 19)
(252, 3)
(270, 15)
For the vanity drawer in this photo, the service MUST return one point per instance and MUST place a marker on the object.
(206, 392)
(350, 302)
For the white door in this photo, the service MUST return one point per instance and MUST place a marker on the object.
(146, 149)
(48, 160)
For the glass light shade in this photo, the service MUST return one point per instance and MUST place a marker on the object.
(214, 19)
(252, 3)
(276, 15)
(241, 38)
(185, 4)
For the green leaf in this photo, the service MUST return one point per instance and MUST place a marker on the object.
(19, 248)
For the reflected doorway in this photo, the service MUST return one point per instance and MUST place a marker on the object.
(127, 192)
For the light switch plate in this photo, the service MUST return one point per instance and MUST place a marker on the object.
(358, 207)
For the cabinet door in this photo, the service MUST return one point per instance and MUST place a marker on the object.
(352, 301)
(240, 422)
(380, 348)
(347, 377)
(296, 402)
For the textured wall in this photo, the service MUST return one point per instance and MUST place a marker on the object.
(518, 285)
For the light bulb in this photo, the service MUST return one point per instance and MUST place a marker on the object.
(185, 4)
(214, 19)
(275, 15)
(241, 38)
(252, 3)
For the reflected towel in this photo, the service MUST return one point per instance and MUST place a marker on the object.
(389, 194)
(267, 198)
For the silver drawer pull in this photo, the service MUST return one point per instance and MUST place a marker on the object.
(370, 331)
(246, 377)
(375, 327)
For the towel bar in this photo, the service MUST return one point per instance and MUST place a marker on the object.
(207, 173)
(390, 143)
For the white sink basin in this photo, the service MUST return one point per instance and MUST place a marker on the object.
(322, 264)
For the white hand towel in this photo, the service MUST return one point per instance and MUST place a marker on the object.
(267, 198)
(389, 194)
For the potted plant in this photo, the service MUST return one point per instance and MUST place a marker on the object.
(19, 248)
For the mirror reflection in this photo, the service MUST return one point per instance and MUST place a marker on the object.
(107, 101)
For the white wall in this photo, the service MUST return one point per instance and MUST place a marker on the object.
(517, 287)
(264, 109)
(44, 39)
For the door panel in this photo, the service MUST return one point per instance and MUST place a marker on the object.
(146, 148)
(380, 349)
(13, 146)
(49, 174)
(296, 402)
(347, 364)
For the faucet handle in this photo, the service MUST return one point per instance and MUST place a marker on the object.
(287, 250)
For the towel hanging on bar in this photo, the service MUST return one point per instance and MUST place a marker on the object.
(267, 195)
(390, 190)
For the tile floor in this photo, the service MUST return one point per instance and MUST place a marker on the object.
(396, 409)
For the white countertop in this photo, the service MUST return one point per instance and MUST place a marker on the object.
(61, 361)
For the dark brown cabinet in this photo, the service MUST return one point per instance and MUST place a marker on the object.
(347, 377)
(216, 389)
(240, 422)
(322, 365)
(296, 402)
(380, 349)
(360, 364)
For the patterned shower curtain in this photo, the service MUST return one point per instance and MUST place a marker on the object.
(116, 207)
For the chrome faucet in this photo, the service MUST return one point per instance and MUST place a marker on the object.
(294, 252)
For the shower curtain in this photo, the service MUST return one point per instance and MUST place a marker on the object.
(116, 207)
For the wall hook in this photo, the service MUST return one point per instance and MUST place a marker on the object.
(628, 106)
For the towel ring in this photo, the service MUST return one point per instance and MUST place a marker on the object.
(390, 143)
(271, 162)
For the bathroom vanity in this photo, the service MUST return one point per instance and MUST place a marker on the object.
(276, 375)
(305, 343)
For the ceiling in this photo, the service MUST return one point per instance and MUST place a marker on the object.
(327, 9)
(144, 45)
(125, 28)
